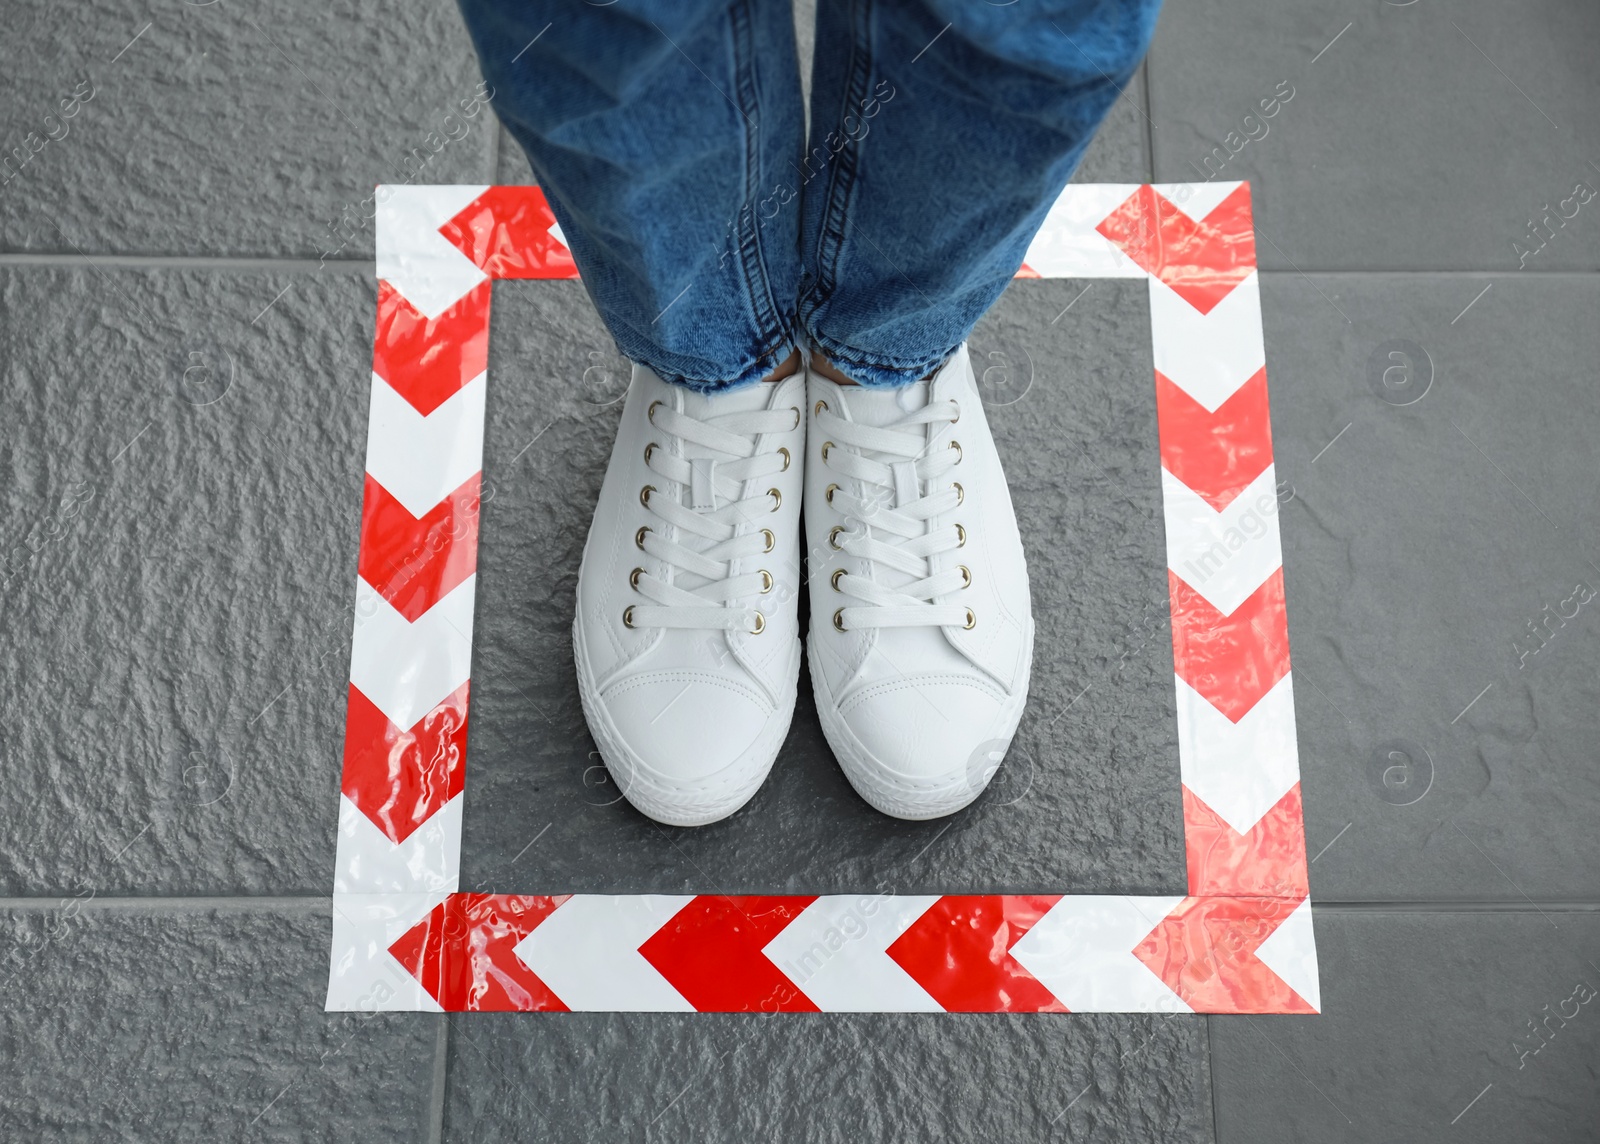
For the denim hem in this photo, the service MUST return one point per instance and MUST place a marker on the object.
(763, 363)
(877, 374)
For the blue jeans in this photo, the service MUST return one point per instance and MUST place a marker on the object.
(715, 238)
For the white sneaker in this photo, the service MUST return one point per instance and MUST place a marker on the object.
(686, 637)
(921, 640)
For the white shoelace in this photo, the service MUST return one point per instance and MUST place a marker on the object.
(701, 589)
(889, 525)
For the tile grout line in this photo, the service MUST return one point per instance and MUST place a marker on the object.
(324, 901)
(441, 1058)
(193, 262)
(1211, 1077)
(1149, 124)
(1463, 906)
(175, 904)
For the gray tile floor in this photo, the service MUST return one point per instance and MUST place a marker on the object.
(185, 327)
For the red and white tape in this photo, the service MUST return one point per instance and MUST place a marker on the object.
(404, 938)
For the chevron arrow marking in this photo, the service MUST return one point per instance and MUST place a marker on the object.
(414, 563)
(1232, 660)
(587, 952)
(400, 777)
(1205, 951)
(363, 975)
(428, 358)
(1223, 556)
(368, 861)
(1290, 951)
(1069, 246)
(1197, 200)
(960, 952)
(1240, 769)
(421, 459)
(1082, 952)
(511, 232)
(1217, 454)
(463, 953)
(413, 257)
(1201, 261)
(1267, 860)
(407, 669)
(711, 952)
(1208, 355)
(836, 952)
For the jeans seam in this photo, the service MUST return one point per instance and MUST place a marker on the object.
(842, 182)
(771, 330)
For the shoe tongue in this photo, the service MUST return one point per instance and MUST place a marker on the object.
(879, 406)
(745, 399)
(704, 406)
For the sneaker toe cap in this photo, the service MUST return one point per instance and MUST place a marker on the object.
(688, 733)
(931, 736)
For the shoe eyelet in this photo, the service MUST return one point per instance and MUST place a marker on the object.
(961, 537)
(761, 625)
(772, 540)
(838, 621)
(961, 493)
(766, 581)
(954, 420)
(649, 450)
(777, 499)
(828, 495)
(826, 446)
(786, 459)
(972, 620)
(633, 578)
(834, 579)
(956, 445)
(638, 537)
(650, 416)
(833, 537)
(795, 409)
(816, 410)
(644, 495)
(627, 616)
(966, 576)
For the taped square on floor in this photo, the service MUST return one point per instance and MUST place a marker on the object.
(406, 938)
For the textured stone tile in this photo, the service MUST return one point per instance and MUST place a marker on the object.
(129, 1022)
(182, 474)
(1427, 137)
(1089, 799)
(226, 128)
(1421, 1015)
(1422, 542)
(835, 1078)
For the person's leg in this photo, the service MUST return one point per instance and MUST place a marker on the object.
(656, 129)
(662, 132)
(942, 132)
